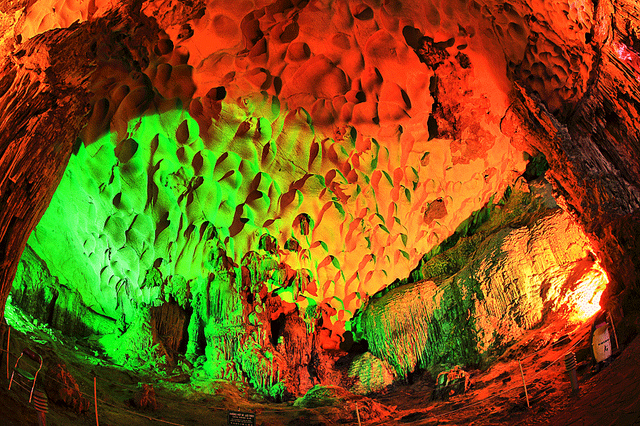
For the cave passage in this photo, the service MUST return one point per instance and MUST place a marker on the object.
(315, 199)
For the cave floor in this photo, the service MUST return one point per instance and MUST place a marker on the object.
(496, 397)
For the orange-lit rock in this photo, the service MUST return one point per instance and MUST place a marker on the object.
(535, 268)
(254, 159)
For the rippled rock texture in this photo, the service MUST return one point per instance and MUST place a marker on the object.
(528, 265)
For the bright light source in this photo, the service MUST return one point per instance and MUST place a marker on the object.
(586, 297)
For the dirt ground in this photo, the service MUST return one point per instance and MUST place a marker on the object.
(609, 396)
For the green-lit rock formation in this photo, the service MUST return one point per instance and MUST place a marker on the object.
(250, 176)
(527, 265)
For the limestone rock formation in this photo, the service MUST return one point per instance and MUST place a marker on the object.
(62, 388)
(334, 396)
(528, 271)
(592, 143)
(235, 182)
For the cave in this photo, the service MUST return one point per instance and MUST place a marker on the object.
(330, 211)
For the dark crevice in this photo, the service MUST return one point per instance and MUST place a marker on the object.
(277, 329)
(432, 127)
(182, 347)
(51, 309)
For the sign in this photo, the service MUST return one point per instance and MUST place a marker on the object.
(601, 342)
(237, 418)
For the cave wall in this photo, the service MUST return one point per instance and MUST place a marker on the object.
(31, 165)
(592, 145)
(365, 159)
(363, 134)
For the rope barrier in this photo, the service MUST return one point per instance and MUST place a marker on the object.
(8, 343)
(524, 383)
(278, 410)
(541, 349)
(95, 398)
(86, 395)
(98, 399)
(509, 389)
(140, 414)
